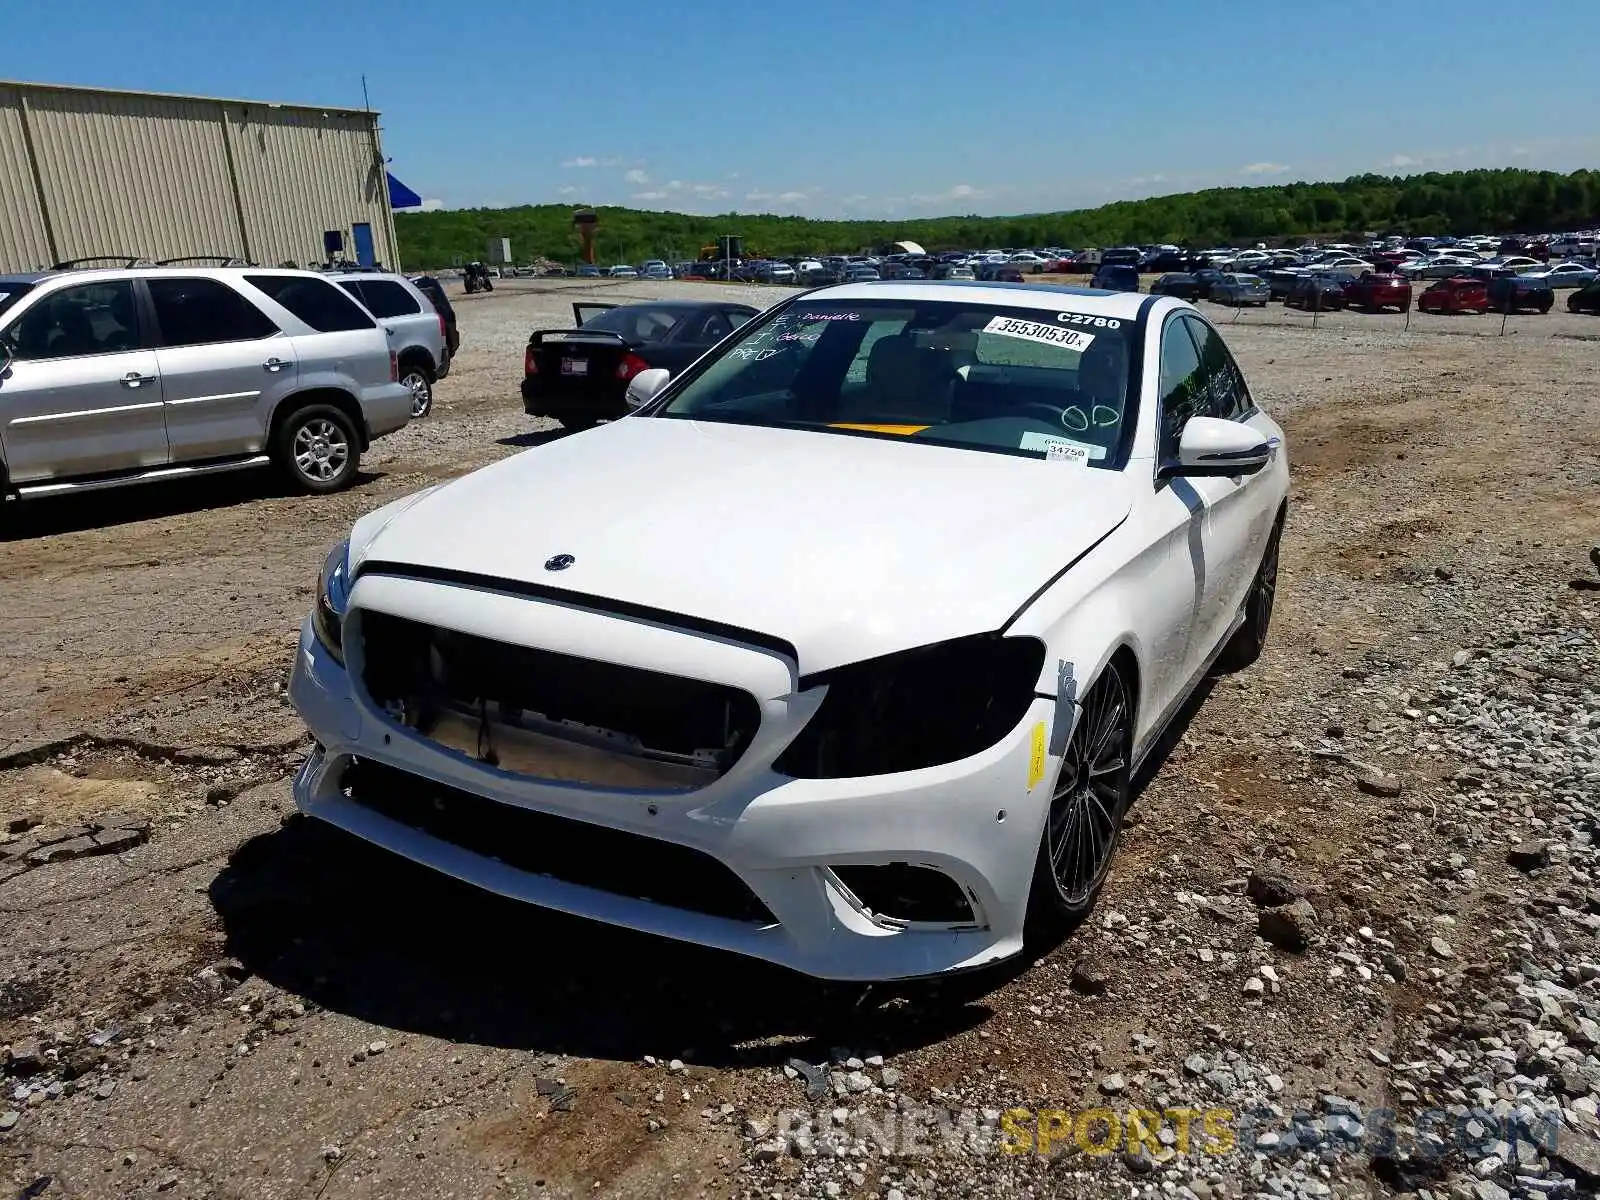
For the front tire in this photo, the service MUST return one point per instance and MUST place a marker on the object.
(575, 422)
(1091, 795)
(1245, 647)
(317, 448)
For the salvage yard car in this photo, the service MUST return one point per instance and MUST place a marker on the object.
(579, 376)
(116, 377)
(841, 651)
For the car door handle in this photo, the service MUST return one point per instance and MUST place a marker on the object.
(133, 379)
(274, 364)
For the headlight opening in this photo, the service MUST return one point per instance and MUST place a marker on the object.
(333, 591)
(920, 708)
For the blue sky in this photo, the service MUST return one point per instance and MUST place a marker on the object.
(871, 107)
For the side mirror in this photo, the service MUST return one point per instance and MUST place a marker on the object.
(643, 386)
(1211, 446)
(7, 355)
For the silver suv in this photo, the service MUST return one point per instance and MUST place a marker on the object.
(127, 376)
(416, 329)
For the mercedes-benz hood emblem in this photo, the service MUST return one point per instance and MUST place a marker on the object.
(559, 562)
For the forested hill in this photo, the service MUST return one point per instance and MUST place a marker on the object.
(1457, 202)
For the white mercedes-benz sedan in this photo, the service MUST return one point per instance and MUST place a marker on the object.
(840, 650)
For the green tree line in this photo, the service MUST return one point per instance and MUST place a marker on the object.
(1456, 202)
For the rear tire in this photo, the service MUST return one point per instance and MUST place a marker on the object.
(1245, 647)
(317, 448)
(577, 423)
(1091, 795)
(418, 378)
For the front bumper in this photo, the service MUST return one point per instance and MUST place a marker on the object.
(976, 821)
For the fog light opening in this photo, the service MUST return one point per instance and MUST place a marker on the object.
(903, 895)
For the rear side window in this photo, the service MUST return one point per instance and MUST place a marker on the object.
(383, 297)
(315, 301)
(197, 312)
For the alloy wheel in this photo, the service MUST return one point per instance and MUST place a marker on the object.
(1086, 808)
(320, 450)
(421, 392)
(1266, 588)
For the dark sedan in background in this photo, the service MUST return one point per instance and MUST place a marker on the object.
(1241, 291)
(1316, 293)
(1585, 300)
(1512, 293)
(1116, 277)
(580, 376)
(1182, 285)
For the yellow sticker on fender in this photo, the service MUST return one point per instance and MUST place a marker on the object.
(1036, 757)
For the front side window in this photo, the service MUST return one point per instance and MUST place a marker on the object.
(1034, 383)
(1226, 394)
(315, 301)
(198, 312)
(92, 318)
(1182, 385)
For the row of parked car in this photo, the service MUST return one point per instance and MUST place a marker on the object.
(1372, 291)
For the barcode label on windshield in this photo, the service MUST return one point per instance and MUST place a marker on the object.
(1032, 331)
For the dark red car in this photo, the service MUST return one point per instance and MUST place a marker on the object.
(1375, 291)
(1455, 295)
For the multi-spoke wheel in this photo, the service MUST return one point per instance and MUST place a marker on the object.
(419, 382)
(1086, 807)
(316, 447)
(1251, 637)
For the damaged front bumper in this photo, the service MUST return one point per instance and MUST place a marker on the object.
(786, 870)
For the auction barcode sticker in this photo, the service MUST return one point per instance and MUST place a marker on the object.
(1033, 331)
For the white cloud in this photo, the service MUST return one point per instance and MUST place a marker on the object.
(566, 191)
(431, 204)
(758, 197)
(792, 197)
(1263, 168)
(1402, 160)
(657, 195)
(961, 191)
(636, 176)
(581, 162)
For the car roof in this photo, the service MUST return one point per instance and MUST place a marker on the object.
(24, 277)
(1094, 301)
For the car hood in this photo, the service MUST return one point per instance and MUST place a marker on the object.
(845, 547)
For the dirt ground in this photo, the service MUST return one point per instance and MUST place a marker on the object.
(239, 1004)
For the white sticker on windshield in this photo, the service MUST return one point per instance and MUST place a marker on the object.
(1066, 452)
(1061, 449)
(1033, 331)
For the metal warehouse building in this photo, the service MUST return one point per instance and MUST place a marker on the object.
(87, 172)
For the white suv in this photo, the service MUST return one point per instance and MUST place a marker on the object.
(127, 376)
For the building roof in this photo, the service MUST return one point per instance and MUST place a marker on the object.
(28, 85)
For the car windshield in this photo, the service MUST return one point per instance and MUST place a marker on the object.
(11, 292)
(1020, 381)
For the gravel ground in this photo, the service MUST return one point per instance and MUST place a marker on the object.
(1349, 946)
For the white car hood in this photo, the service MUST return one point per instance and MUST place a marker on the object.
(844, 547)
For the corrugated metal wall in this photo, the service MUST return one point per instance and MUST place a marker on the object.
(164, 176)
(23, 243)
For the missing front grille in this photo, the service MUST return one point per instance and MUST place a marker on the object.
(552, 715)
